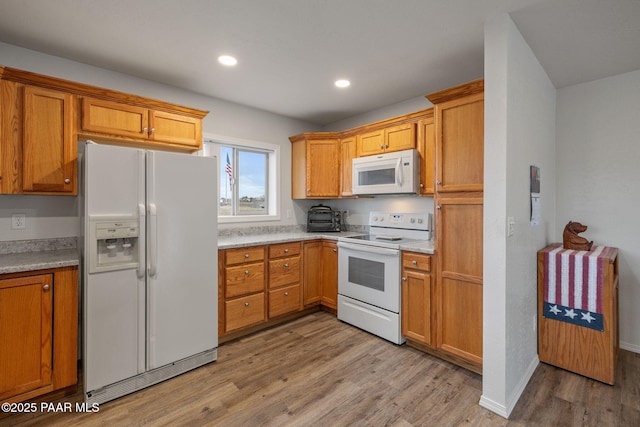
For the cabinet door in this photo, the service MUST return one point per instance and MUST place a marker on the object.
(371, 143)
(347, 154)
(322, 168)
(401, 137)
(11, 110)
(175, 129)
(25, 334)
(312, 283)
(459, 144)
(112, 118)
(330, 274)
(427, 151)
(459, 286)
(416, 305)
(49, 160)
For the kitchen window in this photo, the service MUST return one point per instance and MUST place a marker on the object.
(247, 187)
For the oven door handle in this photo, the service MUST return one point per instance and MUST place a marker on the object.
(369, 249)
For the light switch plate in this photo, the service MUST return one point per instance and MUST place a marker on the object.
(511, 226)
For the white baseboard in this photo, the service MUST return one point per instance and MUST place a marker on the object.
(630, 347)
(504, 410)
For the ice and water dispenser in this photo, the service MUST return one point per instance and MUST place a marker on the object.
(114, 243)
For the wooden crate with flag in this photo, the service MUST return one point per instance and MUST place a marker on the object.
(578, 310)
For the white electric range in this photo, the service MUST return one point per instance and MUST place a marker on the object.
(369, 272)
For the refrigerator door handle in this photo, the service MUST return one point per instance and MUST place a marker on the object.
(141, 246)
(153, 239)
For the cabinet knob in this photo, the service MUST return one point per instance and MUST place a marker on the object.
(335, 250)
(145, 130)
(286, 265)
(246, 255)
(45, 287)
(286, 251)
(386, 145)
(437, 206)
(67, 181)
(404, 279)
(414, 262)
(246, 304)
(153, 130)
(286, 294)
(421, 185)
(308, 190)
(438, 182)
(381, 146)
(246, 272)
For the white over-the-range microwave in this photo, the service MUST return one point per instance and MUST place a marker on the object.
(388, 173)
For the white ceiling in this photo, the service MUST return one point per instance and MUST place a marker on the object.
(291, 51)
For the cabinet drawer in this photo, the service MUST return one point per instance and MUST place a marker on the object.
(244, 311)
(284, 249)
(284, 300)
(416, 261)
(284, 271)
(244, 279)
(240, 255)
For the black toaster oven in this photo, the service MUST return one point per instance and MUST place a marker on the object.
(323, 218)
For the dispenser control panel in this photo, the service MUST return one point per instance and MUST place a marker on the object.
(114, 244)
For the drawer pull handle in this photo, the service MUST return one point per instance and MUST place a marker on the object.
(286, 294)
(246, 304)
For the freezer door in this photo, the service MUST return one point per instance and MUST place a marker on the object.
(114, 301)
(182, 263)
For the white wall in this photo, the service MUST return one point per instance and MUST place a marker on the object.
(598, 153)
(393, 110)
(519, 132)
(55, 216)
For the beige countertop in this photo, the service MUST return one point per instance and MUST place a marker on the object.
(270, 238)
(40, 260)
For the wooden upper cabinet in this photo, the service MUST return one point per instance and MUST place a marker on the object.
(49, 160)
(130, 121)
(26, 331)
(394, 138)
(347, 154)
(113, 118)
(460, 143)
(175, 129)
(427, 151)
(315, 166)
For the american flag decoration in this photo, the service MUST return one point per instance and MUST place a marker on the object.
(573, 282)
(229, 171)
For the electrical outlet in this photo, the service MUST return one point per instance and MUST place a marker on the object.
(18, 222)
(511, 226)
(289, 214)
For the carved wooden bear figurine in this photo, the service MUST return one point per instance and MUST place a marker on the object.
(571, 240)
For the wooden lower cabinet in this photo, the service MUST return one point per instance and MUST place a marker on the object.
(38, 332)
(416, 297)
(329, 295)
(242, 282)
(284, 300)
(258, 284)
(320, 284)
(244, 311)
(459, 278)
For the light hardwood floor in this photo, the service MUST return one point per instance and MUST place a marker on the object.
(317, 371)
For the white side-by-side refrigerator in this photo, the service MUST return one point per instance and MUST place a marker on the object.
(150, 269)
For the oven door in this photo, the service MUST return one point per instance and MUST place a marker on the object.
(370, 274)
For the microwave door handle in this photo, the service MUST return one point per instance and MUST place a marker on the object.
(399, 177)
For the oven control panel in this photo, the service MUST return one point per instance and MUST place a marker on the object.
(412, 221)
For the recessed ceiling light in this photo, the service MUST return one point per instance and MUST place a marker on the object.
(342, 83)
(227, 60)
